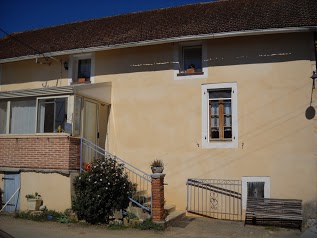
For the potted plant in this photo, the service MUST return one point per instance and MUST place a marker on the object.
(34, 201)
(157, 166)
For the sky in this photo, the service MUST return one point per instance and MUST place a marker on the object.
(22, 15)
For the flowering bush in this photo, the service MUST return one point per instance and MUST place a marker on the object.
(101, 190)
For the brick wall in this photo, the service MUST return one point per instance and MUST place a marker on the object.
(40, 152)
(158, 197)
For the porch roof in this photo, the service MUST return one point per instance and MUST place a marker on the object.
(98, 91)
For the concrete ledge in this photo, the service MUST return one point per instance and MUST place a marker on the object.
(46, 171)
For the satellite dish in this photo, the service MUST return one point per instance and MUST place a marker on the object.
(310, 112)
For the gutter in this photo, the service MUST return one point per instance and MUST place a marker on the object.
(167, 40)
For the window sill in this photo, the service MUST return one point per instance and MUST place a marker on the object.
(190, 74)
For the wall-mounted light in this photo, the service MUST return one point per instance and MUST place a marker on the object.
(66, 65)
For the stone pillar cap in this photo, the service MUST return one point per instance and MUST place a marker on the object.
(157, 175)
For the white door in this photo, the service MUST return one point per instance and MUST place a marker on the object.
(90, 128)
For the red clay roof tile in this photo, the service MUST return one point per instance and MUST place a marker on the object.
(193, 19)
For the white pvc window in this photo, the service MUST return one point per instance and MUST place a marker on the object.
(22, 116)
(52, 115)
(3, 117)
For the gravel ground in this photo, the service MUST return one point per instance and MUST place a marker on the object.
(185, 228)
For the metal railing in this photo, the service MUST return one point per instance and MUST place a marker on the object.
(142, 196)
(216, 198)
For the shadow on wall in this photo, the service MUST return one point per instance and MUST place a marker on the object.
(221, 52)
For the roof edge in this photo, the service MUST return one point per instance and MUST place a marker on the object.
(166, 40)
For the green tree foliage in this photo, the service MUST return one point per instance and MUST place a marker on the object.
(101, 190)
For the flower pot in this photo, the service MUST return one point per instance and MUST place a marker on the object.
(34, 204)
(81, 80)
(156, 170)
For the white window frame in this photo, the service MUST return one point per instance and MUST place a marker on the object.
(245, 180)
(0, 75)
(37, 108)
(73, 66)
(205, 116)
(178, 60)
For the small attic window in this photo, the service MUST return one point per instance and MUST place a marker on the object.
(82, 69)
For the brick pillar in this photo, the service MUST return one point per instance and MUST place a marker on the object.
(158, 197)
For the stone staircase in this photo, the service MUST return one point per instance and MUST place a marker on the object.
(145, 200)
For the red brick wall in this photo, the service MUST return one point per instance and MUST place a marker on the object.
(158, 197)
(42, 152)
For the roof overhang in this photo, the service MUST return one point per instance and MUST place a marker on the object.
(98, 91)
(167, 40)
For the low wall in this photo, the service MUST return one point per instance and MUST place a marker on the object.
(40, 152)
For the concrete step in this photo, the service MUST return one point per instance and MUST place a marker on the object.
(169, 208)
(140, 192)
(174, 216)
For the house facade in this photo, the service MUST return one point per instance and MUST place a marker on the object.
(219, 95)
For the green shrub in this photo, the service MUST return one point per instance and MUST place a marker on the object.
(49, 215)
(101, 190)
(149, 225)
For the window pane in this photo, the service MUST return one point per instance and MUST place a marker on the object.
(256, 189)
(224, 93)
(215, 108)
(77, 116)
(214, 133)
(52, 115)
(192, 55)
(84, 67)
(228, 132)
(215, 121)
(3, 117)
(227, 121)
(60, 113)
(227, 107)
(22, 117)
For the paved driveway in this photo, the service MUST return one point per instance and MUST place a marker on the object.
(185, 228)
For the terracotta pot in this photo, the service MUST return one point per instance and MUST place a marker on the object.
(81, 80)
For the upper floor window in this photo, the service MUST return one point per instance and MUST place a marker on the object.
(82, 68)
(190, 60)
(219, 115)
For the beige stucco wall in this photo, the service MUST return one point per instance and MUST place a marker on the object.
(28, 74)
(54, 188)
(154, 116)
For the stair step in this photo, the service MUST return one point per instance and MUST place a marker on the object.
(174, 216)
(169, 208)
(140, 192)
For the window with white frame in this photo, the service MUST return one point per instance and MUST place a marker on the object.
(22, 116)
(255, 187)
(219, 115)
(191, 60)
(51, 115)
(82, 68)
(31, 115)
